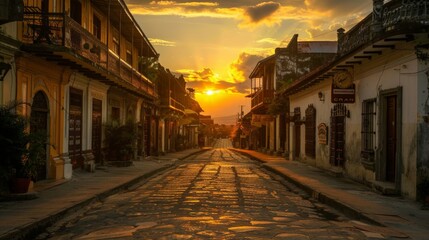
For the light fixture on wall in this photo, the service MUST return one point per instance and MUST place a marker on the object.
(4, 68)
(321, 96)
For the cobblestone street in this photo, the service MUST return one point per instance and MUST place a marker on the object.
(218, 194)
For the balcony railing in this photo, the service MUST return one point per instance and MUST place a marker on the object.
(58, 30)
(262, 97)
(394, 15)
(172, 103)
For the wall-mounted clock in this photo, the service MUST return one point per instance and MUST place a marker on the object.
(343, 80)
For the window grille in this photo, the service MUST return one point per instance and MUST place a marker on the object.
(310, 131)
(368, 125)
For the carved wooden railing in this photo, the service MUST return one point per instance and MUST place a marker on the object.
(262, 97)
(85, 43)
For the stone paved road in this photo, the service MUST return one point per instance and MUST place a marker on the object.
(215, 195)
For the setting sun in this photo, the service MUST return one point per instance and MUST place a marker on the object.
(210, 92)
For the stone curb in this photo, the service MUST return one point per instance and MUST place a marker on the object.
(31, 230)
(319, 196)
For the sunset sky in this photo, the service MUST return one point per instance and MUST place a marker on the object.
(216, 44)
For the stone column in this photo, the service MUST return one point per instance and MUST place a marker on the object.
(68, 167)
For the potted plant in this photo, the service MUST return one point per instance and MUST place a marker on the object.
(120, 142)
(22, 152)
(13, 141)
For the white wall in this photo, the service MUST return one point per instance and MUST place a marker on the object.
(388, 71)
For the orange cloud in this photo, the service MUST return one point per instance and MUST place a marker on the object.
(270, 41)
(241, 68)
(160, 42)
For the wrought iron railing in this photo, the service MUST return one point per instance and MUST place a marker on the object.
(405, 11)
(394, 15)
(56, 29)
(356, 37)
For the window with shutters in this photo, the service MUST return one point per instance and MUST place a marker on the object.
(310, 131)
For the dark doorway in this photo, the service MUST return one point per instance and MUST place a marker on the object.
(96, 129)
(297, 140)
(76, 15)
(75, 127)
(337, 144)
(391, 104)
(297, 132)
(39, 125)
(388, 166)
(76, 11)
(147, 132)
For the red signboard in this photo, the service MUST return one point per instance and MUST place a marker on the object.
(343, 95)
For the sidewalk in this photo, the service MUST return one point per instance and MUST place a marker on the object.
(21, 219)
(355, 200)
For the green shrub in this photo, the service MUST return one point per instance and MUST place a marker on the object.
(120, 140)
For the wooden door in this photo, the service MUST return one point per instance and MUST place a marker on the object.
(391, 102)
(96, 129)
(75, 127)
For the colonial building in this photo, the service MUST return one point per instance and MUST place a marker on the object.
(172, 92)
(79, 68)
(207, 130)
(365, 114)
(190, 124)
(269, 113)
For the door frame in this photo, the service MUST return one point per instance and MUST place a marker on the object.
(382, 155)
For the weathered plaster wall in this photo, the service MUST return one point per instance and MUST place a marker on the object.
(393, 70)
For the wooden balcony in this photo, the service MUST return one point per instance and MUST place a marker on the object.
(262, 98)
(172, 104)
(58, 38)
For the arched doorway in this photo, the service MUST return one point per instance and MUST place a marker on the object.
(39, 124)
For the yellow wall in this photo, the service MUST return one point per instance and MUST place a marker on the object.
(35, 75)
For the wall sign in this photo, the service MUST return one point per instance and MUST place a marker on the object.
(343, 89)
(322, 133)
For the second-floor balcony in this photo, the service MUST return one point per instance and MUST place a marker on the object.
(172, 104)
(262, 98)
(59, 38)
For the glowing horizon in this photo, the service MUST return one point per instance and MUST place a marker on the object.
(215, 45)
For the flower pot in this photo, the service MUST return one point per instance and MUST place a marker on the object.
(19, 185)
